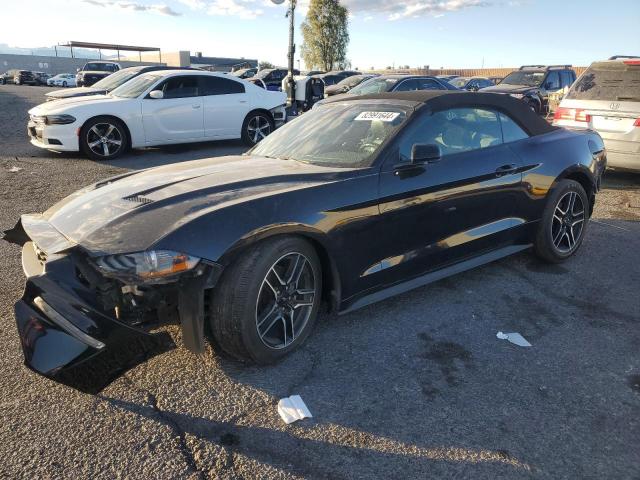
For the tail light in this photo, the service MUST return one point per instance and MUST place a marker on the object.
(637, 122)
(572, 114)
(632, 62)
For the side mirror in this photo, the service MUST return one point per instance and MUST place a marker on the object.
(156, 95)
(425, 152)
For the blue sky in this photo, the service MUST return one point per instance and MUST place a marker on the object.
(439, 33)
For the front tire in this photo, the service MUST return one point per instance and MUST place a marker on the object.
(266, 303)
(256, 127)
(64, 84)
(103, 138)
(564, 222)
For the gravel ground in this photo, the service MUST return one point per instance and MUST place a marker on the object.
(417, 386)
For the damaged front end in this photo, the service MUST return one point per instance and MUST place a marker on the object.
(85, 319)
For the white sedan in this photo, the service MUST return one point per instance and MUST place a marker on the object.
(62, 80)
(158, 108)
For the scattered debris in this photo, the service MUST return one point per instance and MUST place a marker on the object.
(15, 169)
(514, 338)
(292, 409)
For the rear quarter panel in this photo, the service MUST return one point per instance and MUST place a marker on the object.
(549, 158)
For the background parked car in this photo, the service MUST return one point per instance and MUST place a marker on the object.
(606, 98)
(95, 71)
(245, 73)
(534, 83)
(158, 108)
(41, 78)
(400, 83)
(110, 82)
(346, 84)
(272, 77)
(495, 80)
(472, 84)
(447, 78)
(18, 77)
(62, 80)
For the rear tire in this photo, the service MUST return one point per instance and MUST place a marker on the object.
(564, 222)
(256, 127)
(103, 138)
(259, 311)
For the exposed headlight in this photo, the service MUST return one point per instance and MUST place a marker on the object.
(59, 119)
(517, 95)
(146, 266)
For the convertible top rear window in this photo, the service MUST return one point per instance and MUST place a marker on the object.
(339, 134)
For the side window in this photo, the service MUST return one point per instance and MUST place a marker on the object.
(454, 131)
(180, 87)
(219, 86)
(553, 81)
(406, 86)
(428, 84)
(566, 78)
(511, 131)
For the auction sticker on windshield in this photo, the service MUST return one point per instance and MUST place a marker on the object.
(383, 116)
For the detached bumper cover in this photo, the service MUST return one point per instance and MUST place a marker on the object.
(66, 337)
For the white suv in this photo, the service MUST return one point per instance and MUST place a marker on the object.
(606, 98)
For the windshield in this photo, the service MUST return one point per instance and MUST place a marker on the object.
(263, 73)
(345, 135)
(374, 85)
(115, 80)
(459, 82)
(136, 86)
(612, 81)
(522, 77)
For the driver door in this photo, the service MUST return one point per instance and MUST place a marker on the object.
(453, 208)
(178, 116)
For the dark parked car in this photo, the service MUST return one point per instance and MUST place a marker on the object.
(95, 71)
(272, 77)
(18, 77)
(360, 199)
(495, 80)
(534, 83)
(109, 83)
(472, 84)
(346, 84)
(41, 78)
(400, 83)
(447, 78)
(245, 73)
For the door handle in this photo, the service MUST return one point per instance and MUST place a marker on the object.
(195, 106)
(242, 101)
(506, 169)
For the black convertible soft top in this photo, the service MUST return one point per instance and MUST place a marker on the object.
(436, 100)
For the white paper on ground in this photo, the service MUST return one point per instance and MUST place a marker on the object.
(292, 409)
(514, 338)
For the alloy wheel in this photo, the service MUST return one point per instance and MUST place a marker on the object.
(567, 223)
(104, 139)
(258, 128)
(285, 300)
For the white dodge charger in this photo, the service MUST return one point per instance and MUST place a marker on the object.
(158, 108)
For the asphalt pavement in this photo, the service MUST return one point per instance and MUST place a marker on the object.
(417, 386)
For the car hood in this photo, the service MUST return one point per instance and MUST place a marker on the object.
(75, 92)
(133, 211)
(507, 88)
(64, 104)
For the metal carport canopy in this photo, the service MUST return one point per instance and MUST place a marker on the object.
(111, 46)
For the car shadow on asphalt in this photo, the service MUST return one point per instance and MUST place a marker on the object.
(310, 450)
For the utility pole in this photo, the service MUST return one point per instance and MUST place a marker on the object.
(292, 50)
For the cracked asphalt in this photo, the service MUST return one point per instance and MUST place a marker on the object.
(417, 386)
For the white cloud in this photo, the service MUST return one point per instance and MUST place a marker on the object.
(393, 10)
(135, 7)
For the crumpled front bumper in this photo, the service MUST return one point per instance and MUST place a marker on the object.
(67, 337)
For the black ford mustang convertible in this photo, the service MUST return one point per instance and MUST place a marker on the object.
(360, 199)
